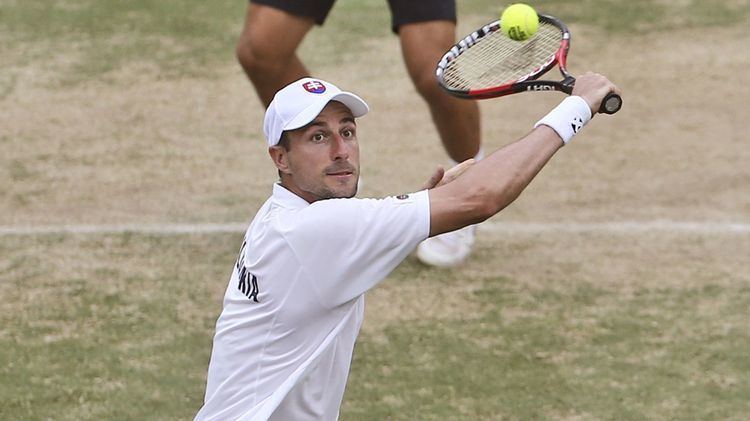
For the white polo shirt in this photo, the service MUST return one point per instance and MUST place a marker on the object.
(295, 303)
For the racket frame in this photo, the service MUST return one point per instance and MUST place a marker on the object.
(530, 82)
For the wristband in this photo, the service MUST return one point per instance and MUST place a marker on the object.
(567, 118)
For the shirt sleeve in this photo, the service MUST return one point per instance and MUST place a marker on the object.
(347, 246)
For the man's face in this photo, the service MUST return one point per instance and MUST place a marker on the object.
(322, 159)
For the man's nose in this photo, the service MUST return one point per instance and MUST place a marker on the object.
(339, 148)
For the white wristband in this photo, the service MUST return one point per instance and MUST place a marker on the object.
(567, 118)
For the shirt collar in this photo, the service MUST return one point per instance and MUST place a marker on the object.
(285, 198)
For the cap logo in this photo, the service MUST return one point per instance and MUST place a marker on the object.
(314, 87)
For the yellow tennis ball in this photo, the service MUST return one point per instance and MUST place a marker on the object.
(519, 21)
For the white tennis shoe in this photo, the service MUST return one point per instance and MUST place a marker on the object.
(449, 249)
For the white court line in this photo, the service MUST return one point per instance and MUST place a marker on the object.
(125, 228)
(626, 227)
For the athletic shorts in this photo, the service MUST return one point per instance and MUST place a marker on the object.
(402, 11)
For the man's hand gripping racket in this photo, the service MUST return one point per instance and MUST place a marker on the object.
(488, 64)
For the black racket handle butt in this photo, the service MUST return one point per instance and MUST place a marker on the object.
(611, 104)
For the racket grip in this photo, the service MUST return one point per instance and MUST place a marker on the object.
(611, 104)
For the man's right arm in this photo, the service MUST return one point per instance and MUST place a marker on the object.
(495, 182)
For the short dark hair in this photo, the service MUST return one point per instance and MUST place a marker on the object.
(284, 141)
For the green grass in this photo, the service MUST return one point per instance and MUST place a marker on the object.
(182, 37)
(115, 327)
(587, 352)
(120, 327)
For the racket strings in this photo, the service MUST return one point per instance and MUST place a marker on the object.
(496, 60)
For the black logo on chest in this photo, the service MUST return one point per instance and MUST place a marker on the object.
(248, 283)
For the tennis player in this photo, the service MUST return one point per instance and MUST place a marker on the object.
(295, 300)
(426, 28)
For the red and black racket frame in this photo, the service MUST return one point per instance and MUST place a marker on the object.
(529, 83)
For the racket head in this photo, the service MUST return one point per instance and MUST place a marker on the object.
(488, 64)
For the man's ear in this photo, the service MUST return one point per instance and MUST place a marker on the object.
(280, 158)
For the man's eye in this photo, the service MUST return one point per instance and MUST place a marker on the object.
(318, 137)
(348, 133)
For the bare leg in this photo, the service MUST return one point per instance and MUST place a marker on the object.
(267, 49)
(457, 120)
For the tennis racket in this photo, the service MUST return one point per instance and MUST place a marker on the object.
(488, 64)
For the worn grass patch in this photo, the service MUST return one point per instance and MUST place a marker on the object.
(630, 16)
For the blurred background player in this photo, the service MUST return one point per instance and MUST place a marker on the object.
(426, 29)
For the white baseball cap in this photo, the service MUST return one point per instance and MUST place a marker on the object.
(298, 103)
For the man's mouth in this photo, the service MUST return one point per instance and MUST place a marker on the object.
(343, 171)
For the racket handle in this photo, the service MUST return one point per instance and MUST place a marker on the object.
(611, 104)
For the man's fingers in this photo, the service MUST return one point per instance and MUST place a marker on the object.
(434, 179)
(459, 169)
(593, 87)
(456, 171)
(441, 177)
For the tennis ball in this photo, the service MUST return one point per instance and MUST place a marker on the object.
(519, 21)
